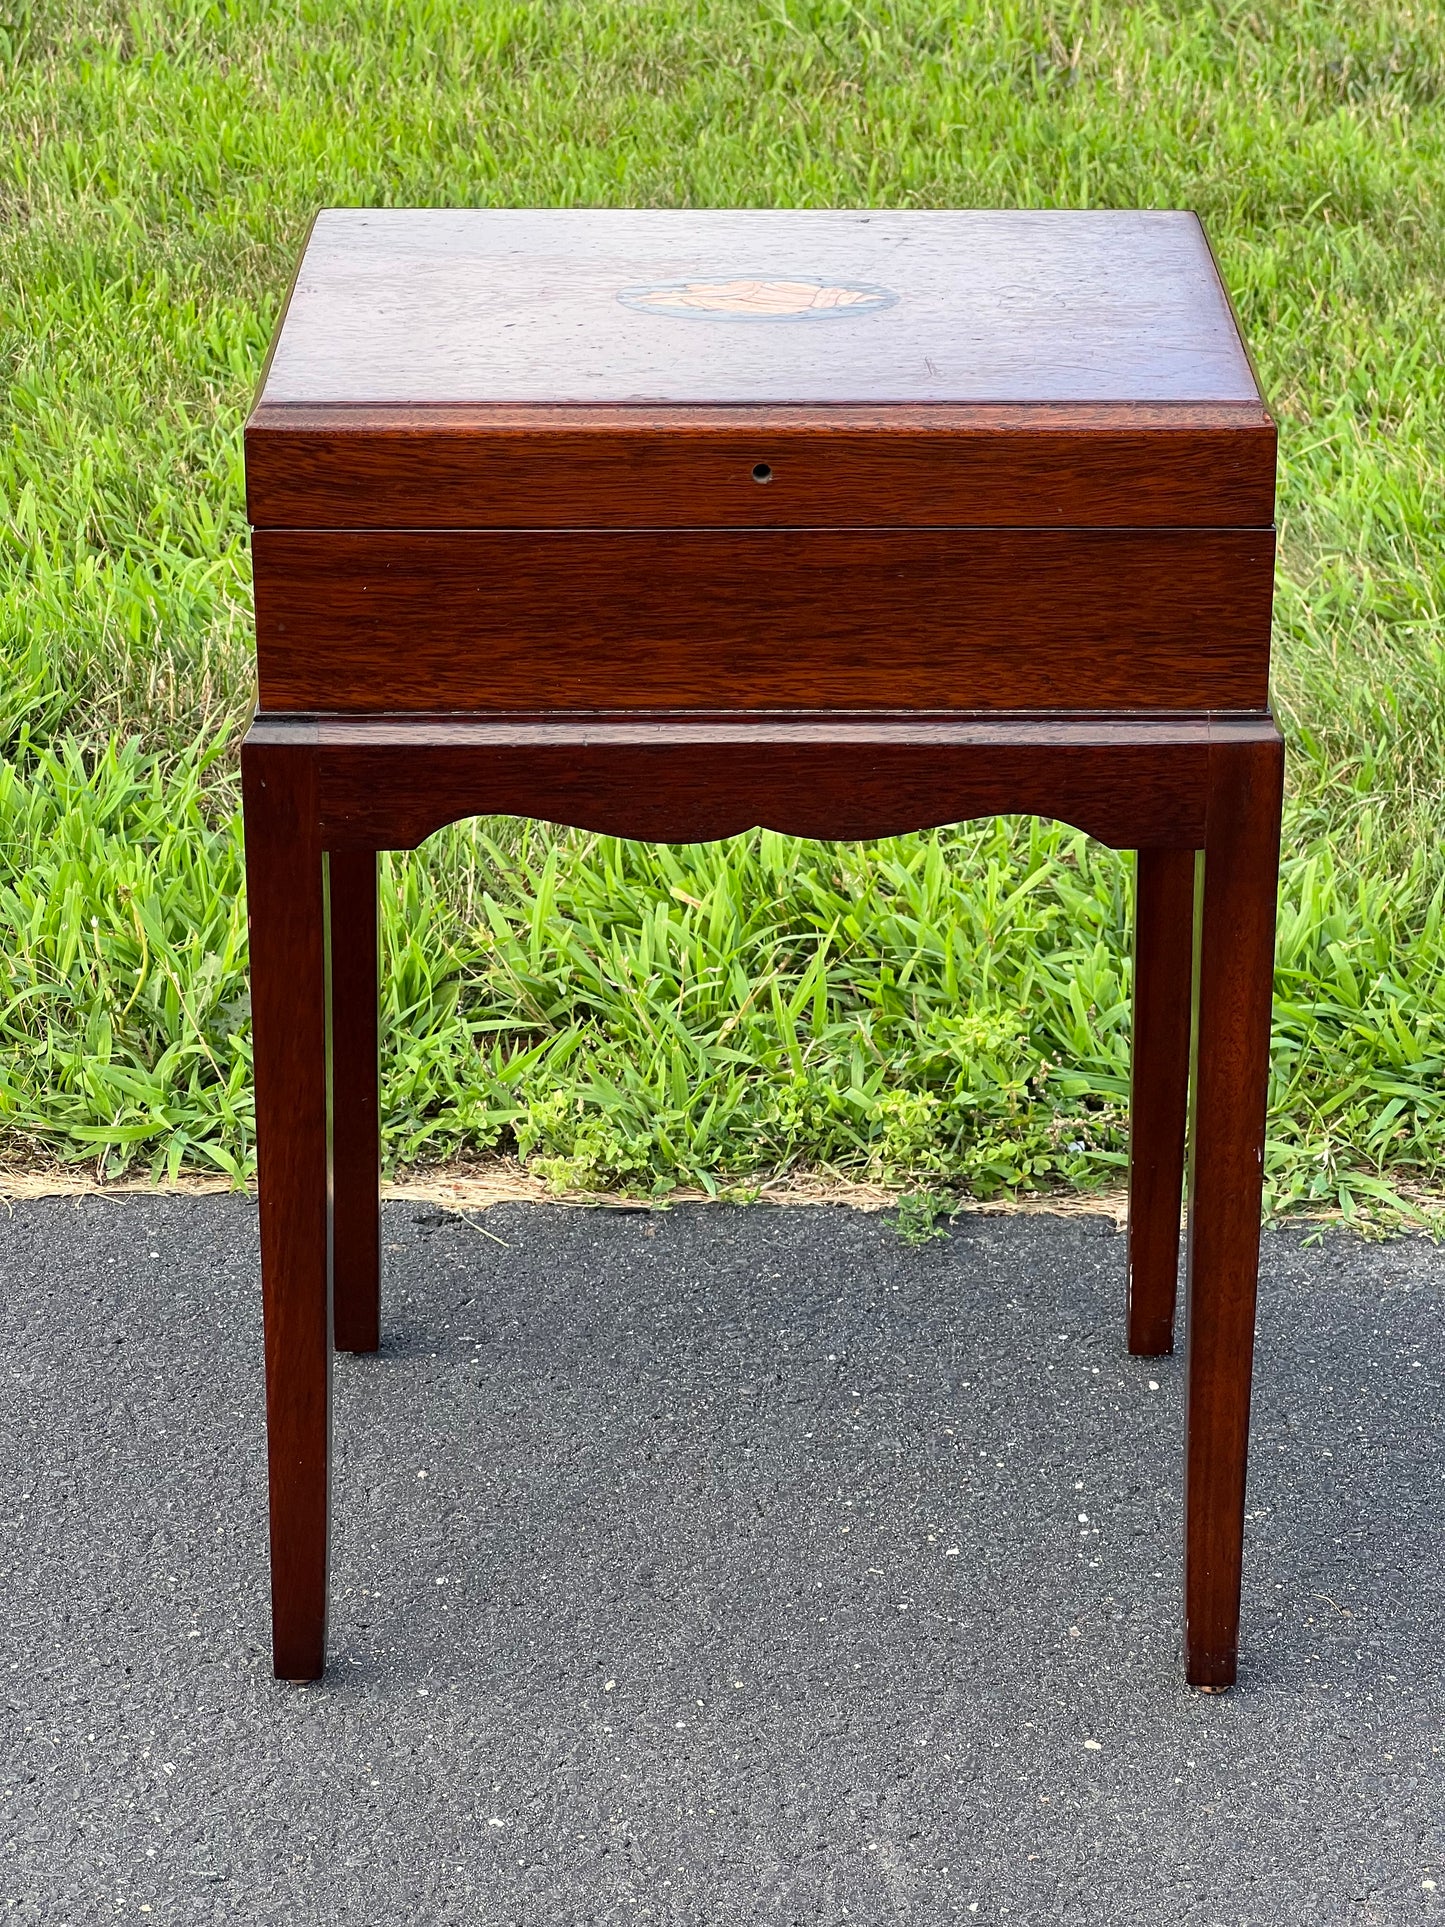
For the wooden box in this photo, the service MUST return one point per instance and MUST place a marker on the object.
(699, 462)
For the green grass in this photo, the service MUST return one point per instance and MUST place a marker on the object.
(945, 1010)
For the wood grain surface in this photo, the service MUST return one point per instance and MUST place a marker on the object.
(464, 305)
(840, 619)
(1104, 466)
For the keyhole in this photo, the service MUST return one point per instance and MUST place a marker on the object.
(762, 473)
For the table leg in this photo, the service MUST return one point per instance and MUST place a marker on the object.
(1159, 1096)
(288, 1014)
(1236, 967)
(355, 1137)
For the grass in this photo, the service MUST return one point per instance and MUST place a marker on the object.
(946, 1010)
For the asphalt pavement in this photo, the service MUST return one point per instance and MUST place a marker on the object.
(722, 1565)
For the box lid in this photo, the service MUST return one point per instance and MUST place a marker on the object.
(447, 367)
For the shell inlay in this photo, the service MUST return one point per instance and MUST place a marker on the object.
(759, 300)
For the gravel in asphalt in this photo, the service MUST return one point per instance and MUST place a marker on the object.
(712, 1566)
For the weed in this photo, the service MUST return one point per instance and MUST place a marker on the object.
(923, 1216)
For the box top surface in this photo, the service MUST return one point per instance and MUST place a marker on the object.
(439, 307)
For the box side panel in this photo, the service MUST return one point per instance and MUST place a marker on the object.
(972, 619)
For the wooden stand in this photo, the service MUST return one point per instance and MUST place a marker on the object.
(686, 683)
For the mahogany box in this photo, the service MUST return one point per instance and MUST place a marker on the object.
(573, 460)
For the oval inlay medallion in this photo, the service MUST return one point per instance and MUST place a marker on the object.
(759, 300)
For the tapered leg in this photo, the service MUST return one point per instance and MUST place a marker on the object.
(1236, 966)
(355, 1138)
(288, 1014)
(1159, 1096)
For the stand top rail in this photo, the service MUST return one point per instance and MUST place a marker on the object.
(388, 783)
(1019, 729)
